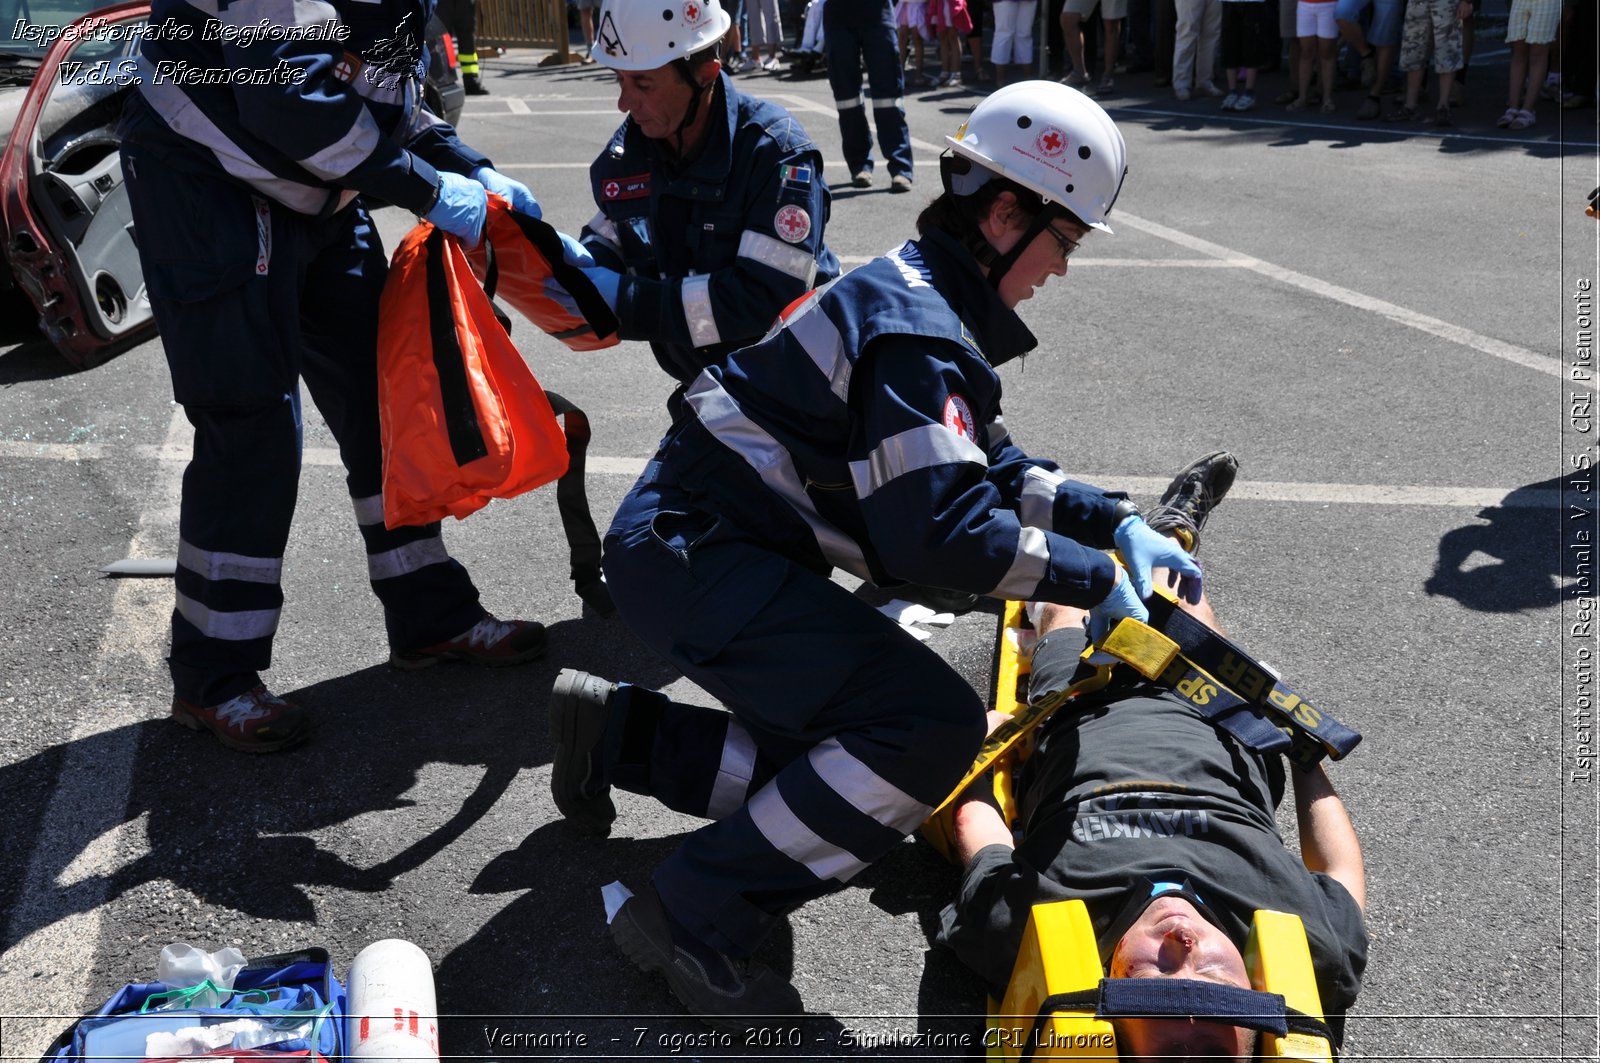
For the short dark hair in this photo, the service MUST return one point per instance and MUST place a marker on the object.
(960, 216)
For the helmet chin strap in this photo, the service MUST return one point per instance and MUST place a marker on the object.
(697, 97)
(1000, 264)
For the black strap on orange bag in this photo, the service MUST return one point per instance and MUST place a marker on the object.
(527, 251)
(572, 498)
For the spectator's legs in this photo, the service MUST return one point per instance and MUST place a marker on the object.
(843, 47)
(1538, 57)
(1190, 12)
(1113, 39)
(1005, 30)
(1205, 57)
(586, 20)
(1327, 58)
(1166, 19)
(1072, 39)
(887, 85)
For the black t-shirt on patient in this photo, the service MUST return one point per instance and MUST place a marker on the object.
(1136, 786)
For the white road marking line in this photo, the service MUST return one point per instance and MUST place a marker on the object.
(1510, 352)
(1260, 490)
(60, 909)
(1090, 261)
(1399, 314)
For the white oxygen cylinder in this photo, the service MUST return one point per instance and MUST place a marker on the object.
(393, 1016)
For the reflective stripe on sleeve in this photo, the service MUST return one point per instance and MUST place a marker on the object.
(217, 564)
(820, 339)
(1028, 568)
(1039, 497)
(797, 262)
(722, 418)
(702, 322)
(885, 103)
(918, 448)
(406, 559)
(728, 793)
(169, 100)
(348, 152)
(238, 626)
(866, 790)
(780, 826)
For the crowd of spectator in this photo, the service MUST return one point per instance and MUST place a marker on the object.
(1202, 49)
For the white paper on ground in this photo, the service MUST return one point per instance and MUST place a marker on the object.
(907, 613)
(615, 895)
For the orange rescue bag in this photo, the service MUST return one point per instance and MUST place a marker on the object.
(463, 418)
(517, 254)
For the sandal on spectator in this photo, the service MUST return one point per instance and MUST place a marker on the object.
(1505, 120)
(1371, 108)
(1441, 117)
(1402, 114)
(1523, 120)
(1327, 105)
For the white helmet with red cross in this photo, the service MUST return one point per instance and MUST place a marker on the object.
(641, 35)
(1049, 138)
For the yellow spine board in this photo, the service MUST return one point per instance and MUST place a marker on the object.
(1279, 961)
(1058, 955)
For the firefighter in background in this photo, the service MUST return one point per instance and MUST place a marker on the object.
(712, 203)
(862, 434)
(263, 268)
(460, 17)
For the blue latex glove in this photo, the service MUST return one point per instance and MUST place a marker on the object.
(462, 208)
(1121, 602)
(608, 281)
(1143, 548)
(554, 290)
(575, 253)
(604, 279)
(514, 192)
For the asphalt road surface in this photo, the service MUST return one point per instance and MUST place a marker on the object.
(1382, 322)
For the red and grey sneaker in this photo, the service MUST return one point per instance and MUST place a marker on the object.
(256, 721)
(490, 642)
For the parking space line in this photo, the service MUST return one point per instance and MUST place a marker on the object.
(56, 923)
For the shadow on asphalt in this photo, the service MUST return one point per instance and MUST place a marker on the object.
(1502, 566)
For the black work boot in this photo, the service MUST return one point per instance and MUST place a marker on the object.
(722, 991)
(578, 718)
(1191, 497)
(473, 84)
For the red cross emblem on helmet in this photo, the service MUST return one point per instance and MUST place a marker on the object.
(1051, 141)
(691, 12)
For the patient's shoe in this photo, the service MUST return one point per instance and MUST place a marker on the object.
(1191, 497)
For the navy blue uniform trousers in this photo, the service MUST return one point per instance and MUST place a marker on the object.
(846, 45)
(844, 731)
(250, 297)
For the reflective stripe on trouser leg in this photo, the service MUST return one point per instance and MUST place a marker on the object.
(871, 728)
(695, 760)
(238, 500)
(427, 596)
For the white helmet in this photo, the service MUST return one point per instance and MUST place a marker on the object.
(647, 34)
(1049, 138)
